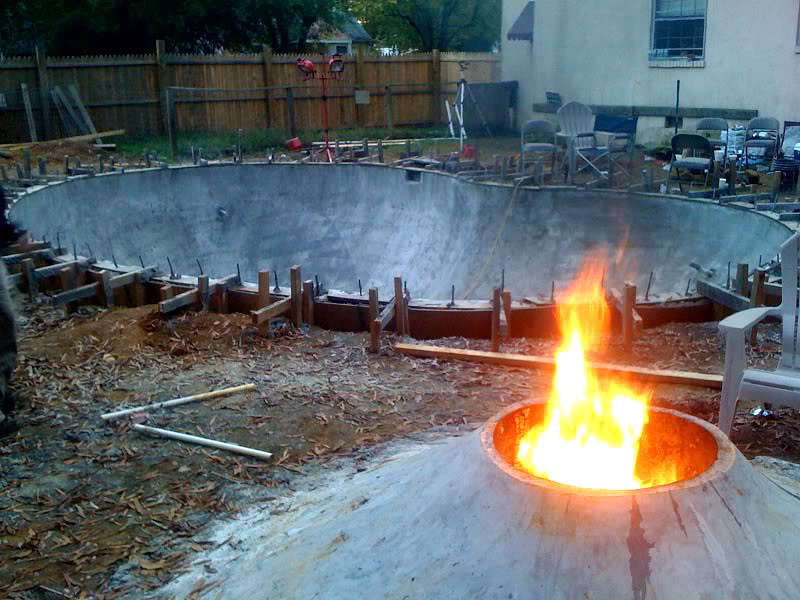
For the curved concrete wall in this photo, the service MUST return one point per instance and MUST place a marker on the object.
(350, 222)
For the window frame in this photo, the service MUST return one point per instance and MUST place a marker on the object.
(797, 37)
(653, 58)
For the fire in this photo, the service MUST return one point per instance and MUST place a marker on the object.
(590, 434)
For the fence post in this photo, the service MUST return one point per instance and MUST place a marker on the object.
(389, 112)
(44, 91)
(436, 86)
(361, 111)
(161, 83)
(290, 111)
(172, 123)
(266, 54)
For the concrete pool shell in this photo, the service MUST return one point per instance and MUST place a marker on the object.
(346, 222)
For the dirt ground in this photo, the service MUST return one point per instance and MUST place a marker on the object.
(82, 499)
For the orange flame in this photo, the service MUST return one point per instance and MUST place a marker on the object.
(591, 431)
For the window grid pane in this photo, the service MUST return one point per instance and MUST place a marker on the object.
(679, 28)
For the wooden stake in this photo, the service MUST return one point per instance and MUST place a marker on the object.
(742, 288)
(167, 293)
(496, 320)
(105, 288)
(30, 278)
(297, 300)
(203, 292)
(374, 324)
(308, 301)
(756, 299)
(264, 297)
(399, 313)
(628, 305)
(67, 277)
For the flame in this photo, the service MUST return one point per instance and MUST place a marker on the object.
(590, 434)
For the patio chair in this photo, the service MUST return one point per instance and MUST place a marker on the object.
(718, 125)
(762, 132)
(683, 143)
(783, 385)
(576, 121)
(539, 130)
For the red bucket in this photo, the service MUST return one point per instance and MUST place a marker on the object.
(294, 144)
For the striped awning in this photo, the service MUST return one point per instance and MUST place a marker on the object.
(522, 29)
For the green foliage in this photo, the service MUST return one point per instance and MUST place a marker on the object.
(74, 27)
(425, 25)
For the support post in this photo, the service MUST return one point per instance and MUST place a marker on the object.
(266, 55)
(757, 294)
(507, 310)
(139, 291)
(67, 276)
(628, 305)
(776, 185)
(30, 278)
(380, 151)
(496, 320)
(297, 305)
(105, 288)
(362, 112)
(172, 123)
(203, 292)
(399, 302)
(389, 109)
(44, 92)
(732, 178)
(436, 86)
(161, 83)
(374, 323)
(264, 297)
(167, 293)
(26, 103)
(742, 270)
(308, 301)
(290, 111)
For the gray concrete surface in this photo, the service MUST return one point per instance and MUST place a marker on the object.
(443, 522)
(350, 222)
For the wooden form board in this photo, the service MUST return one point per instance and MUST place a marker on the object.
(536, 362)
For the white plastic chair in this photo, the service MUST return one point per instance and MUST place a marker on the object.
(783, 385)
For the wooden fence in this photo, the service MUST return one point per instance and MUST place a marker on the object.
(233, 91)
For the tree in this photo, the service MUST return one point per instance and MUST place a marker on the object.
(425, 25)
(72, 27)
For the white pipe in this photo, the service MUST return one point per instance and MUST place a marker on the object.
(193, 439)
(178, 401)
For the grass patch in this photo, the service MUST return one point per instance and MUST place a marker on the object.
(219, 145)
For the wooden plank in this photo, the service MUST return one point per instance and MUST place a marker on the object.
(21, 248)
(535, 362)
(76, 98)
(276, 309)
(53, 270)
(67, 276)
(387, 314)
(140, 276)
(105, 288)
(720, 295)
(44, 90)
(506, 297)
(26, 101)
(179, 301)
(79, 293)
(374, 323)
(308, 302)
(297, 295)
(64, 140)
(373, 303)
(73, 121)
(167, 293)
(15, 259)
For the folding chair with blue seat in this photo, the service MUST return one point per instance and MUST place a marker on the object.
(763, 133)
(719, 125)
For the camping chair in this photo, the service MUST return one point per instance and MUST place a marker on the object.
(762, 132)
(783, 385)
(719, 125)
(694, 143)
(539, 130)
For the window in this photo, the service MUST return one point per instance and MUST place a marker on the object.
(342, 50)
(679, 29)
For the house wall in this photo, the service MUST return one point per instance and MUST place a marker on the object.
(597, 53)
